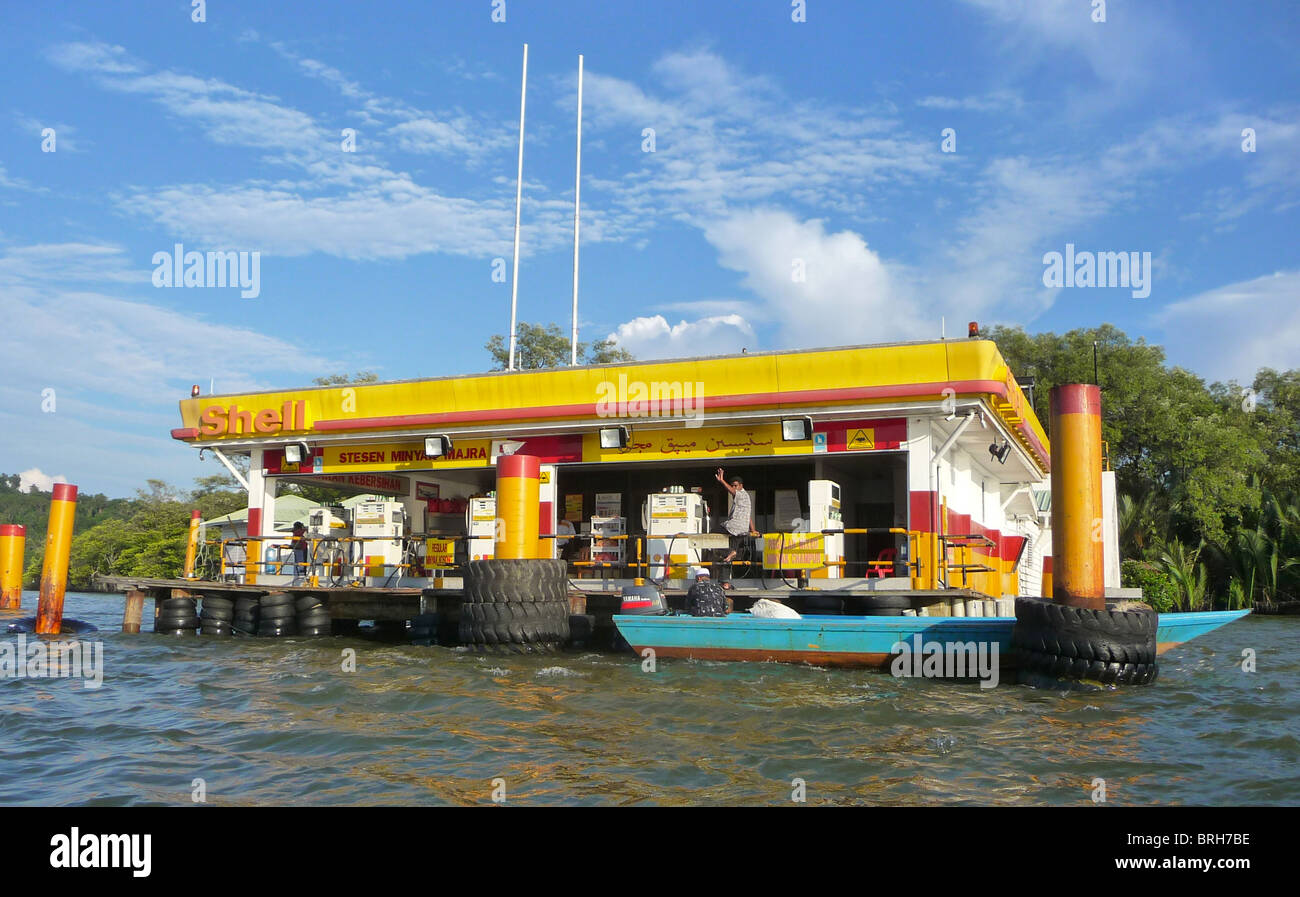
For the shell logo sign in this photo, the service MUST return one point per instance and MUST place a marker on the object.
(229, 420)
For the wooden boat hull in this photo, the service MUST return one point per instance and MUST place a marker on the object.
(858, 642)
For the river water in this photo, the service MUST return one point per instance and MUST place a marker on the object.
(279, 721)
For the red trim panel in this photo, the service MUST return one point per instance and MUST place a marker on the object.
(920, 511)
(1076, 398)
(890, 433)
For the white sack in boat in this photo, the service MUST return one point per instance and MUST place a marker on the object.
(764, 607)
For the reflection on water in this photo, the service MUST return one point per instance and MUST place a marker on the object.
(278, 722)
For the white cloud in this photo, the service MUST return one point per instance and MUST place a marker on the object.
(846, 294)
(995, 101)
(42, 481)
(110, 346)
(1231, 331)
(725, 138)
(456, 136)
(32, 128)
(115, 366)
(1123, 52)
(44, 263)
(342, 204)
(653, 337)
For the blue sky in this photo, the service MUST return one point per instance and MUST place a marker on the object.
(778, 145)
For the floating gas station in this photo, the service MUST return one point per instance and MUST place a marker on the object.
(906, 466)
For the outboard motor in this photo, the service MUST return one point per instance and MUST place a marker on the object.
(644, 600)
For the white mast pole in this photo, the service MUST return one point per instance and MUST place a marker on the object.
(577, 209)
(519, 195)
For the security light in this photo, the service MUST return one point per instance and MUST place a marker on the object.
(796, 429)
(1000, 453)
(437, 446)
(614, 437)
(296, 452)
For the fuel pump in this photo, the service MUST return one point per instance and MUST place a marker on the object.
(666, 517)
(824, 513)
(480, 526)
(382, 525)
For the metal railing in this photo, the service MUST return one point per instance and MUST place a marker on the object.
(331, 558)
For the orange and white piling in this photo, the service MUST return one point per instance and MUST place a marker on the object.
(58, 548)
(192, 543)
(13, 545)
(518, 523)
(1078, 554)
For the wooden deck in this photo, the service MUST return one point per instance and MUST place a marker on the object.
(343, 602)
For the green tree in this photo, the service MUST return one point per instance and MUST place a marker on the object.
(340, 379)
(1167, 433)
(538, 347)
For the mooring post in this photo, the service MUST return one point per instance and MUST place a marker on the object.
(253, 546)
(518, 506)
(1046, 590)
(192, 543)
(134, 611)
(13, 545)
(1078, 552)
(58, 546)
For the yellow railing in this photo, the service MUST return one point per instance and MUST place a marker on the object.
(341, 567)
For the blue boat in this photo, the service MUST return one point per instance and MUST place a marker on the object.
(855, 641)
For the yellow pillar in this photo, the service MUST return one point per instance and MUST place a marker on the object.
(13, 545)
(1047, 577)
(253, 546)
(58, 546)
(1077, 550)
(192, 544)
(517, 506)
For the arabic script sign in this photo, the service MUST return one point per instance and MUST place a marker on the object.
(706, 442)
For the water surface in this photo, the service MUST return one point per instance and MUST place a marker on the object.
(278, 721)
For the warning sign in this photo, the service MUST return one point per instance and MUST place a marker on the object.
(860, 439)
(793, 551)
(440, 552)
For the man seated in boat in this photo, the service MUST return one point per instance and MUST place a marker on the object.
(739, 523)
(705, 597)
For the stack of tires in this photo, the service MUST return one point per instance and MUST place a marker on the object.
(1057, 643)
(276, 615)
(177, 616)
(246, 613)
(313, 616)
(515, 605)
(217, 617)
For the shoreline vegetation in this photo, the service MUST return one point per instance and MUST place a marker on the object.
(1208, 478)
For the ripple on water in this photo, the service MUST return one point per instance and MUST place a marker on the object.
(279, 721)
